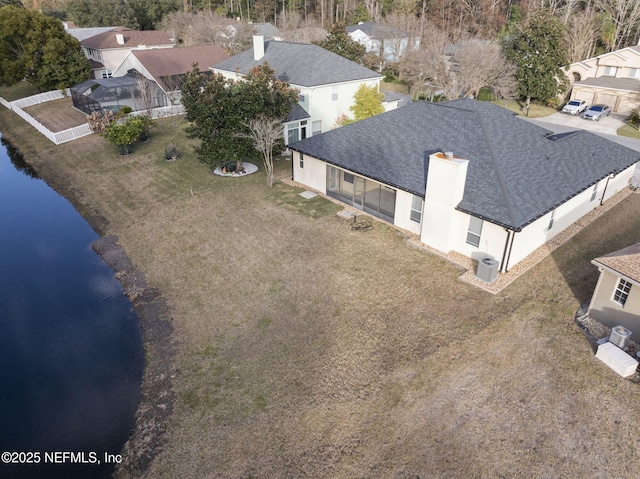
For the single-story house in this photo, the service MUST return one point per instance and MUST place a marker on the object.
(168, 66)
(612, 79)
(616, 298)
(326, 82)
(465, 176)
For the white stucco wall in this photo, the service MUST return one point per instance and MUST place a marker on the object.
(314, 173)
(537, 233)
(402, 218)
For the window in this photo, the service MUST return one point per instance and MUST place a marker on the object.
(363, 193)
(474, 232)
(301, 98)
(594, 192)
(106, 73)
(416, 209)
(610, 71)
(553, 217)
(622, 292)
(301, 160)
(334, 93)
(634, 72)
(316, 127)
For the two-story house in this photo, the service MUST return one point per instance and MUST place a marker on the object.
(383, 40)
(326, 82)
(107, 47)
(612, 79)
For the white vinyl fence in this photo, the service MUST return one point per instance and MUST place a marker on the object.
(75, 132)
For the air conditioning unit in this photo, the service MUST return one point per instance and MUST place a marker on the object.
(619, 336)
(487, 270)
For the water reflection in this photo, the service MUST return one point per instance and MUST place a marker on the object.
(70, 345)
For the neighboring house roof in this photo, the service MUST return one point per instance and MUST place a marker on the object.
(267, 30)
(95, 65)
(84, 33)
(297, 113)
(167, 62)
(300, 64)
(611, 83)
(625, 261)
(517, 171)
(131, 38)
(377, 30)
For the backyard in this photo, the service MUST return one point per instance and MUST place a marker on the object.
(307, 349)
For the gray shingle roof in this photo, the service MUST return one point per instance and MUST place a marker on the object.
(300, 64)
(517, 171)
(625, 84)
(377, 30)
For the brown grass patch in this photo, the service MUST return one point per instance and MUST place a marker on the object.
(57, 115)
(307, 349)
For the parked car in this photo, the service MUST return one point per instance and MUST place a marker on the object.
(574, 107)
(596, 112)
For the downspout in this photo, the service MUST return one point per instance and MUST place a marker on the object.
(506, 246)
(513, 237)
(611, 175)
(292, 160)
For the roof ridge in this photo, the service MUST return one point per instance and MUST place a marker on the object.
(494, 161)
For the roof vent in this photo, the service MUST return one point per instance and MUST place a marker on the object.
(448, 155)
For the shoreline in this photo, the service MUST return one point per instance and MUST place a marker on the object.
(156, 324)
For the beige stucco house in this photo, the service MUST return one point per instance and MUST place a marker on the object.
(107, 47)
(616, 298)
(612, 79)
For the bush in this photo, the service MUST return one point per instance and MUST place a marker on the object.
(634, 117)
(486, 94)
(126, 110)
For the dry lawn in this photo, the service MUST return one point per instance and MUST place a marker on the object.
(309, 350)
(57, 115)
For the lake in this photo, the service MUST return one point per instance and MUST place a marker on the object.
(71, 356)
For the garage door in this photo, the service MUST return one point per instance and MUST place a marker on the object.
(608, 99)
(580, 94)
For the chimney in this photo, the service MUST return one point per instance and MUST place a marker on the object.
(446, 180)
(120, 38)
(258, 47)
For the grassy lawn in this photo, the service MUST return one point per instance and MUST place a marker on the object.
(307, 349)
(57, 115)
(535, 110)
(629, 131)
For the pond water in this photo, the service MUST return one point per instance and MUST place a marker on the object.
(71, 355)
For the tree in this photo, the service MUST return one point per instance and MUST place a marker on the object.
(36, 48)
(265, 132)
(124, 133)
(102, 13)
(626, 18)
(539, 51)
(481, 63)
(220, 110)
(368, 102)
(338, 41)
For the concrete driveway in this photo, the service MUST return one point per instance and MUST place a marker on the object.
(608, 125)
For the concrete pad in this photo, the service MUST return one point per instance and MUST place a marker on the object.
(308, 195)
(617, 359)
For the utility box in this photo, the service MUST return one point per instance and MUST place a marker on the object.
(487, 270)
(619, 336)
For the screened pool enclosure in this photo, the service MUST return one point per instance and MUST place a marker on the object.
(116, 93)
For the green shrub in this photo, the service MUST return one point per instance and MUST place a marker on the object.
(486, 94)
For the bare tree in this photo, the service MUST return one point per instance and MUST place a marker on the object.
(399, 33)
(626, 18)
(481, 63)
(583, 30)
(265, 133)
(146, 90)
